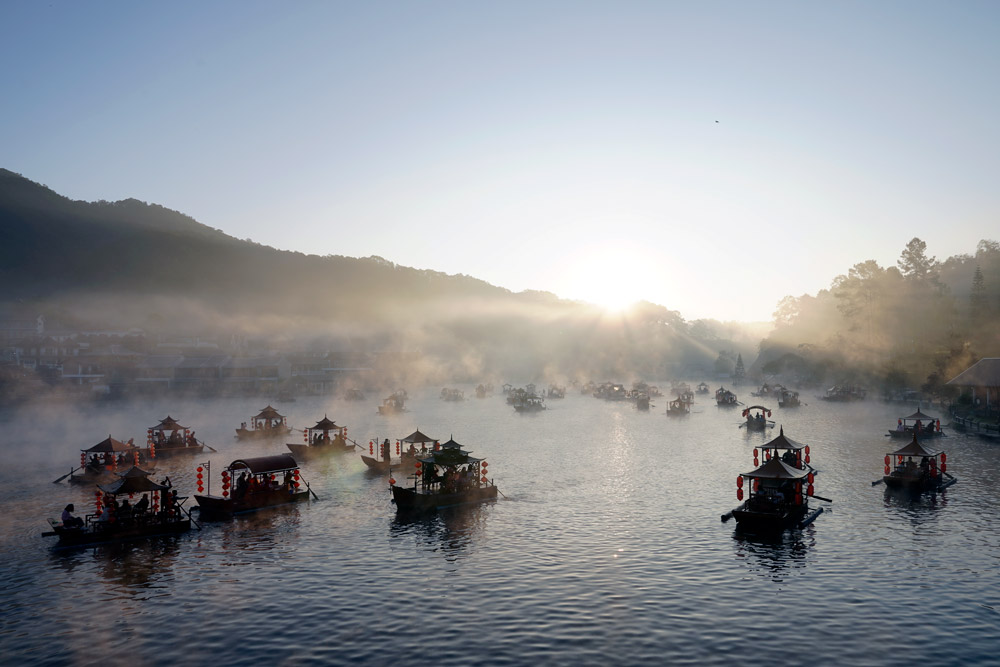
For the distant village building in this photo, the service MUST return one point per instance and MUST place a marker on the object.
(983, 380)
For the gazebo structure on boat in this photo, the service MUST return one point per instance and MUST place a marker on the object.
(268, 423)
(919, 424)
(318, 439)
(915, 467)
(776, 497)
(446, 475)
(99, 462)
(169, 437)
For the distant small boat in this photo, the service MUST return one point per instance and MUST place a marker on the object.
(844, 393)
(100, 463)
(679, 406)
(169, 438)
(394, 404)
(406, 451)
(919, 424)
(529, 403)
(702, 388)
(788, 398)
(758, 421)
(725, 398)
(268, 423)
(318, 440)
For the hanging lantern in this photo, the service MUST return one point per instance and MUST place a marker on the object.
(809, 490)
(887, 470)
(371, 448)
(739, 482)
(798, 498)
(944, 467)
(484, 479)
(739, 494)
(944, 457)
(756, 485)
(225, 494)
(392, 481)
(810, 477)
(295, 473)
(767, 454)
(397, 448)
(83, 459)
(417, 465)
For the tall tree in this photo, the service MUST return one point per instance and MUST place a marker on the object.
(977, 299)
(914, 263)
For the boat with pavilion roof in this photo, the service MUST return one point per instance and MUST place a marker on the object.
(776, 496)
(101, 462)
(268, 423)
(445, 476)
(159, 512)
(169, 438)
(251, 484)
(393, 404)
(679, 407)
(915, 467)
(318, 440)
(788, 398)
(917, 424)
(404, 455)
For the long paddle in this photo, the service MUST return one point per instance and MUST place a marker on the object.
(56, 481)
(203, 444)
(822, 498)
(876, 482)
(727, 516)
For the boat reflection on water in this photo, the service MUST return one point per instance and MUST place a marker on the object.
(135, 569)
(774, 556)
(450, 531)
(915, 506)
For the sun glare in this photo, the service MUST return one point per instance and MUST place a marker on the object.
(614, 277)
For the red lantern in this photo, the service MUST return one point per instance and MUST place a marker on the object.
(397, 448)
(392, 481)
(756, 485)
(807, 450)
(739, 494)
(944, 467)
(417, 464)
(798, 498)
(887, 470)
(296, 483)
(810, 477)
(944, 457)
(767, 454)
(887, 459)
(200, 469)
(371, 448)
(739, 482)
(225, 494)
(809, 490)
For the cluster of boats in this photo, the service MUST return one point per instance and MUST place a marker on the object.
(775, 494)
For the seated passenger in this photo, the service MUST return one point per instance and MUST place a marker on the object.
(70, 521)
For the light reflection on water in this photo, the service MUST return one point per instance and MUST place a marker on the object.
(605, 547)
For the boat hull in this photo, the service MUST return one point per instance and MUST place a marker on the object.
(167, 452)
(97, 533)
(383, 466)
(214, 507)
(408, 500)
(262, 434)
(915, 483)
(765, 520)
(314, 451)
(908, 434)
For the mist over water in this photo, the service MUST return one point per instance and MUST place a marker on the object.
(605, 548)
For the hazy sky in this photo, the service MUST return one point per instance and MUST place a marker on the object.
(708, 156)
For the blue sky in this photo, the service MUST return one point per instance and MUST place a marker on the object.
(709, 156)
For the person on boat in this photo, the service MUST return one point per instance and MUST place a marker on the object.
(930, 427)
(166, 482)
(142, 505)
(411, 451)
(386, 450)
(192, 441)
(899, 425)
(70, 521)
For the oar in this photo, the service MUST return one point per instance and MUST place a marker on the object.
(822, 498)
(875, 483)
(727, 516)
(188, 512)
(67, 475)
(203, 444)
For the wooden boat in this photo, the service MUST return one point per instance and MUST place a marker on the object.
(767, 391)
(702, 388)
(844, 393)
(788, 398)
(393, 404)
(725, 398)
(679, 406)
(318, 441)
(917, 424)
(757, 421)
(452, 395)
(555, 391)
(100, 463)
(168, 438)
(354, 395)
(405, 455)
(444, 476)
(266, 424)
(529, 403)
(114, 522)
(776, 497)
(916, 468)
(256, 483)
(642, 401)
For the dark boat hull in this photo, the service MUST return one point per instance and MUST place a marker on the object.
(214, 507)
(383, 466)
(100, 534)
(262, 434)
(167, 452)
(915, 483)
(313, 451)
(408, 500)
(908, 434)
(763, 520)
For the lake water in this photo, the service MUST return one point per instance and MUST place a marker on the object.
(606, 547)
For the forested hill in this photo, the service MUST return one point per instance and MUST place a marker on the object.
(129, 263)
(53, 246)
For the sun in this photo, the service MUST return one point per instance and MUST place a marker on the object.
(614, 276)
